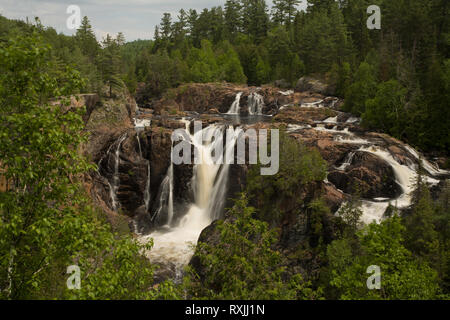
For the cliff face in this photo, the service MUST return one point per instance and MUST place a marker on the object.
(218, 97)
(133, 176)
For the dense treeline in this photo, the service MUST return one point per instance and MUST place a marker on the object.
(395, 77)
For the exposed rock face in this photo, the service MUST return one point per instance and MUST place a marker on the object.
(374, 177)
(218, 98)
(310, 118)
(313, 85)
(282, 84)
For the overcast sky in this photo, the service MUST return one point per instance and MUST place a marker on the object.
(135, 18)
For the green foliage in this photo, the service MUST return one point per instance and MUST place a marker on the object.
(243, 265)
(386, 110)
(46, 222)
(402, 276)
(299, 166)
(362, 88)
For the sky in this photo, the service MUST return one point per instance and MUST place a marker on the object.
(135, 18)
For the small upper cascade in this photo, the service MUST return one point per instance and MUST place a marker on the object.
(235, 107)
(255, 104)
(142, 123)
(317, 104)
(331, 120)
(286, 93)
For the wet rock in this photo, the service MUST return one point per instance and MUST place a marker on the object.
(373, 176)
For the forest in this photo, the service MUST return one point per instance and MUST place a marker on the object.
(396, 79)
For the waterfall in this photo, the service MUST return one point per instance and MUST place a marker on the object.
(255, 104)
(347, 162)
(147, 194)
(114, 185)
(173, 244)
(165, 202)
(331, 120)
(405, 178)
(139, 143)
(235, 107)
(318, 104)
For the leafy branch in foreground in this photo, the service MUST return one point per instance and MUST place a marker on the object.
(46, 222)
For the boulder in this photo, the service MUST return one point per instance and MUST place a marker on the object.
(374, 176)
(282, 84)
(313, 85)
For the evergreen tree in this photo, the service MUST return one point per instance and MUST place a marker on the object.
(284, 11)
(110, 64)
(232, 18)
(362, 88)
(86, 40)
(243, 265)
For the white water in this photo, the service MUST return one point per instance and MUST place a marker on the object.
(142, 123)
(175, 244)
(166, 197)
(114, 186)
(235, 107)
(139, 143)
(353, 120)
(255, 104)
(295, 127)
(347, 162)
(287, 93)
(429, 167)
(147, 194)
(316, 104)
(331, 120)
(406, 177)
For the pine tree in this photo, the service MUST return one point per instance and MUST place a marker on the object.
(421, 237)
(284, 11)
(233, 18)
(166, 26)
(110, 64)
(86, 40)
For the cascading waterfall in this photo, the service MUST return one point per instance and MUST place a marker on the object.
(174, 245)
(147, 191)
(165, 204)
(405, 178)
(139, 143)
(114, 186)
(235, 107)
(347, 162)
(255, 104)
